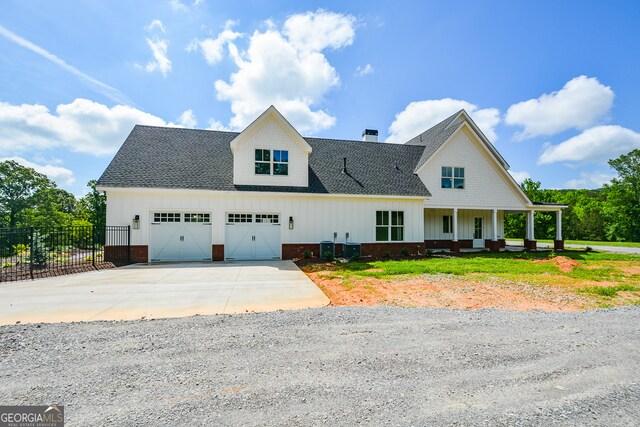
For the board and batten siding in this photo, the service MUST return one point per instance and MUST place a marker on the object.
(484, 185)
(433, 224)
(270, 134)
(315, 217)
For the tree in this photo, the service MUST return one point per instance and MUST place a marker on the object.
(18, 188)
(93, 206)
(623, 198)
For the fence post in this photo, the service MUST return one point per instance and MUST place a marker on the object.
(129, 244)
(31, 252)
(93, 246)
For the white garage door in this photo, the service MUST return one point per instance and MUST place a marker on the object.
(252, 236)
(177, 236)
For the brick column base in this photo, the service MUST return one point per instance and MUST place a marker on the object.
(494, 246)
(530, 245)
(558, 245)
(455, 246)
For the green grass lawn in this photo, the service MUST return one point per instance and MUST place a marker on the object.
(592, 243)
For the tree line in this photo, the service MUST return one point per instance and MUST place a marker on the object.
(611, 213)
(30, 199)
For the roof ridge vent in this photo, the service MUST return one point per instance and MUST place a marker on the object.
(344, 165)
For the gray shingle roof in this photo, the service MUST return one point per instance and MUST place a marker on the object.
(158, 157)
(433, 138)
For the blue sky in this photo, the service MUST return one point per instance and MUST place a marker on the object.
(553, 84)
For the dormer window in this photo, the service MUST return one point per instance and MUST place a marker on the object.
(268, 162)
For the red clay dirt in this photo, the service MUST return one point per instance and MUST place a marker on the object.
(564, 264)
(446, 292)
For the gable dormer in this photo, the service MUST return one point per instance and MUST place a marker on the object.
(270, 152)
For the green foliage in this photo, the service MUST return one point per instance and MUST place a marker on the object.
(20, 249)
(307, 254)
(609, 291)
(386, 254)
(18, 189)
(81, 233)
(39, 253)
(7, 265)
(93, 206)
(404, 251)
(328, 255)
(355, 257)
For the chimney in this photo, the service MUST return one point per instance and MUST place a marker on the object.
(370, 135)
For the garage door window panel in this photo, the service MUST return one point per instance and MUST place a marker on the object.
(166, 217)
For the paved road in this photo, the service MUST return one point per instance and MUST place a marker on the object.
(160, 290)
(616, 249)
(334, 366)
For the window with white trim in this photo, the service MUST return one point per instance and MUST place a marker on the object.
(239, 217)
(447, 224)
(389, 226)
(452, 177)
(267, 218)
(197, 217)
(166, 217)
(268, 162)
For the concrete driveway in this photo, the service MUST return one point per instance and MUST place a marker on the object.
(160, 290)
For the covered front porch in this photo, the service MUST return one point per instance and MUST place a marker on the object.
(457, 229)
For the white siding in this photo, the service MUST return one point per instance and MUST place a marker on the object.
(315, 217)
(433, 224)
(484, 185)
(270, 134)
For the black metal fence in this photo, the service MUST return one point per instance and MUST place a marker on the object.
(29, 253)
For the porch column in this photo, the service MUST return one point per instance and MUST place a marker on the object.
(531, 236)
(558, 244)
(455, 245)
(495, 246)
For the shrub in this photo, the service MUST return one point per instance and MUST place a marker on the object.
(307, 254)
(588, 249)
(404, 251)
(429, 252)
(328, 255)
(355, 257)
(386, 254)
(20, 249)
(40, 254)
(7, 265)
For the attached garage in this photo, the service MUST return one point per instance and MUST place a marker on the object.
(180, 236)
(252, 236)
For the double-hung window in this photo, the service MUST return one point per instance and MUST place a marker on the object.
(452, 177)
(268, 162)
(389, 226)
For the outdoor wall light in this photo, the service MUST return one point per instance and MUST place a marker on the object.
(136, 222)
(290, 223)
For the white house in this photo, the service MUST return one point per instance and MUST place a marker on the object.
(269, 193)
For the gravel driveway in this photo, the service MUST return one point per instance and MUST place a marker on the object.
(333, 366)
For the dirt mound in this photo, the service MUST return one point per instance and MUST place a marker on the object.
(564, 264)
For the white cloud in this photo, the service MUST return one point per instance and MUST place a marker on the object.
(216, 125)
(96, 85)
(213, 49)
(186, 120)
(287, 69)
(421, 115)
(591, 180)
(581, 103)
(178, 5)
(595, 145)
(60, 175)
(316, 31)
(159, 48)
(363, 71)
(82, 126)
(520, 176)
(156, 23)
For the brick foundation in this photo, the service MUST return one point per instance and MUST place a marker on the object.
(380, 250)
(139, 253)
(455, 246)
(493, 246)
(530, 245)
(118, 254)
(217, 252)
(297, 250)
(558, 245)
